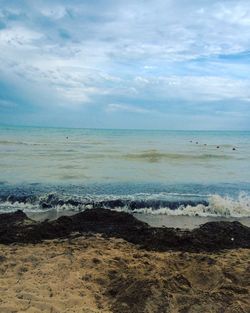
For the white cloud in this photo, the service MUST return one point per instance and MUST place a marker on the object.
(18, 37)
(193, 88)
(149, 51)
(115, 107)
(238, 13)
(54, 11)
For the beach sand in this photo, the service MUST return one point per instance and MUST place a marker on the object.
(96, 274)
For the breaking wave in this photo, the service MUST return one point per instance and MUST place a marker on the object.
(157, 204)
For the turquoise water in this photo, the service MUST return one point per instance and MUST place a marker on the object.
(84, 155)
(144, 170)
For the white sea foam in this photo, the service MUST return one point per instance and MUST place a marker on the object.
(7, 206)
(36, 208)
(218, 206)
(228, 206)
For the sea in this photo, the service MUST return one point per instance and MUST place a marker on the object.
(166, 178)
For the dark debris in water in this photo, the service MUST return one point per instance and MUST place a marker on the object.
(213, 236)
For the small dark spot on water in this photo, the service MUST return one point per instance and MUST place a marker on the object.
(218, 147)
(197, 142)
(234, 149)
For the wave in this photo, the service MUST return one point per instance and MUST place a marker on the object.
(157, 204)
(9, 142)
(217, 207)
(86, 144)
(155, 156)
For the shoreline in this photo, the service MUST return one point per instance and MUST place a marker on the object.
(185, 221)
(212, 236)
(154, 220)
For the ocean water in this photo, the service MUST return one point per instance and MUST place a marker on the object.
(149, 173)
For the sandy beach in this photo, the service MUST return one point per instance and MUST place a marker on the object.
(106, 261)
(96, 274)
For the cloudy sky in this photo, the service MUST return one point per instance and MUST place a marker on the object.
(160, 64)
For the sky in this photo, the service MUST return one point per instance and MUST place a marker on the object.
(160, 64)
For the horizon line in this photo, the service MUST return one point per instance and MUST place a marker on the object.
(128, 129)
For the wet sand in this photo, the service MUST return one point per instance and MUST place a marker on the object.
(154, 220)
(185, 222)
(95, 274)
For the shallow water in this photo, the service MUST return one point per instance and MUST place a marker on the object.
(84, 155)
(185, 173)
